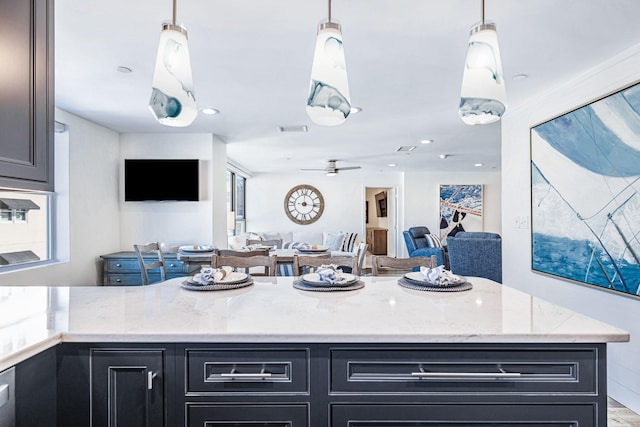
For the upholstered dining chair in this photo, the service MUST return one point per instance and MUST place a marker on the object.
(313, 262)
(381, 265)
(154, 248)
(269, 262)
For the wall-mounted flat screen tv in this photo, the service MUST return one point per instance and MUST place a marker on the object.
(161, 180)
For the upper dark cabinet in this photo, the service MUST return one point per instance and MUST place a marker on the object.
(26, 94)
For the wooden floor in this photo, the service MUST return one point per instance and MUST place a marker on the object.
(621, 416)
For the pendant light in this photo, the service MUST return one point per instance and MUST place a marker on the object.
(483, 97)
(329, 102)
(172, 99)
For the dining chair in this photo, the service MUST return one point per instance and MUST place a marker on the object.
(153, 247)
(242, 254)
(381, 265)
(271, 243)
(269, 263)
(315, 261)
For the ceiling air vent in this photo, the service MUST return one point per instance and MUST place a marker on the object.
(293, 128)
(405, 148)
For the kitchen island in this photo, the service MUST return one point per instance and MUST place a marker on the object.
(275, 355)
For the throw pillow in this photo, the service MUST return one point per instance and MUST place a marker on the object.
(433, 241)
(333, 240)
(349, 243)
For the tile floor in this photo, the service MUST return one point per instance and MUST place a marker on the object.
(621, 416)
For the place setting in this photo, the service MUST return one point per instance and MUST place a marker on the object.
(435, 280)
(312, 249)
(328, 278)
(217, 279)
(196, 249)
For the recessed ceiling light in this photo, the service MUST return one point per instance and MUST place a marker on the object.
(293, 128)
(520, 76)
(124, 69)
(355, 110)
(444, 156)
(478, 164)
(426, 141)
(406, 148)
(209, 111)
(392, 165)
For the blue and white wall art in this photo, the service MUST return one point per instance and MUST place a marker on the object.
(585, 206)
(460, 209)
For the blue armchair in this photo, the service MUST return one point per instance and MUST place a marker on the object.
(418, 244)
(476, 254)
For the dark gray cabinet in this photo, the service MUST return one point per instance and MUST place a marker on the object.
(123, 269)
(26, 98)
(127, 387)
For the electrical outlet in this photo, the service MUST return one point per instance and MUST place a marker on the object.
(524, 222)
(516, 222)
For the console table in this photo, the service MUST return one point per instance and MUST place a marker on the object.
(123, 268)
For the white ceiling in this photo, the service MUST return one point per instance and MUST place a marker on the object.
(251, 59)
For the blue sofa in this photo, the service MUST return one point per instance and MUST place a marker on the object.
(476, 254)
(418, 245)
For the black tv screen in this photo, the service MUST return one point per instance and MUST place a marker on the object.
(160, 179)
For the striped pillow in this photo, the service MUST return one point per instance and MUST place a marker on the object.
(433, 241)
(349, 243)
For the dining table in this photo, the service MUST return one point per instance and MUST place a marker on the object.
(284, 256)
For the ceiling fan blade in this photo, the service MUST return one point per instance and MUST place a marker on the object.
(349, 167)
(312, 169)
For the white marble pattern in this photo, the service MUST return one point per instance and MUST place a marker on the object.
(273, 311)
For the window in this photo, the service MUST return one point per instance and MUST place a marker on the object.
(24, 227)
(236, 186)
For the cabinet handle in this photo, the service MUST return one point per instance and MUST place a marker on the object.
(481, 375)
(118, 280)
(4, 394)
(118, 265)
(172, 265)
(255, 375)
(150, 377)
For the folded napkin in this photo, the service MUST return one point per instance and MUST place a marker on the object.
(438, 275)
(329, 273)
(209, 275)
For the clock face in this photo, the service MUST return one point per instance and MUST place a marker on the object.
(304, 204)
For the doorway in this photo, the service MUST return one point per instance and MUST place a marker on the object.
(381, 220)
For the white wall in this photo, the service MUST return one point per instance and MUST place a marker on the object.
(180, 223)
(422, 198)
(344, 197)
(93, 207)
(617, 310)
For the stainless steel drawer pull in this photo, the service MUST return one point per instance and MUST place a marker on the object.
(150, 378)
(480, 375)
(4, 394)
(256, 375)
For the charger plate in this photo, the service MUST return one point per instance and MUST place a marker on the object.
(318, 249)
(313, 279)
(193, 286)
(426, 287)
(309, 287)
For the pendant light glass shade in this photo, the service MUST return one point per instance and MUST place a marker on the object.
(483, 98)
(172, 99)
(329, 102)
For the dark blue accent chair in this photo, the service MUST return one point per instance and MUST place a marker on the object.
(417, 244)
(476, 254)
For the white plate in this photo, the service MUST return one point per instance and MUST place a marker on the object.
(312, 250)
(314, 278)
(233, 277)
(196, 248)
(416, 276)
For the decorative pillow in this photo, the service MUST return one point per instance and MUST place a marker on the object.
(270, 236)
(333, 240)
(349, 243)
(433, 241)
(237, 242)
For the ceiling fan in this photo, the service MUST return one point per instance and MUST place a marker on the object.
(331, 168)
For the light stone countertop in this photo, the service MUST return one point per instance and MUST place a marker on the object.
(271, 310)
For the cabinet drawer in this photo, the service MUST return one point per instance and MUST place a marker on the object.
(480, 415)
(130, 279)
(253, 370)
(132, 265)
(229, 415)
(465, 371)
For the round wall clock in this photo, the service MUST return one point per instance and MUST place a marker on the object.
(304, 204)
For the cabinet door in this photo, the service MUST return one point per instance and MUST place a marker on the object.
(26, 100)
(127, 388)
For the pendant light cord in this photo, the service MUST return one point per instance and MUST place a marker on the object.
(482, 12)
(174, 11)
(330, 10)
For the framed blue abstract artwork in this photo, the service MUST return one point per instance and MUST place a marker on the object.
(460, 209)
(585, 201)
